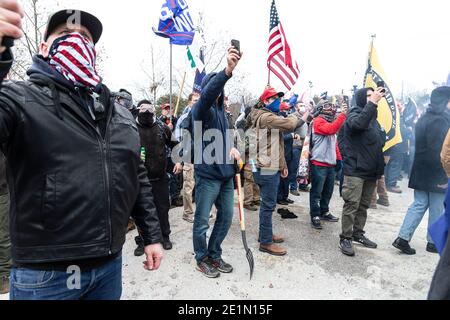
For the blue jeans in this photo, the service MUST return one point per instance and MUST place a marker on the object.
(209, 192)
(103, 283)
(322, 187)
(293, 184)
(423, 201)
(268, 184)
(283, 189)
(393, 170)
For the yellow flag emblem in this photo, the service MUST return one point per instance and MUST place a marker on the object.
(388, 113)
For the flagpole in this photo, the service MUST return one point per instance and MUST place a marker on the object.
(268, 77)
(371, 48)
(369, 64)
(170, 97)
(179, 96)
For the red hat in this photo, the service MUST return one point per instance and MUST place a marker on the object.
(165, 106)
(285, 106)
(269, 93)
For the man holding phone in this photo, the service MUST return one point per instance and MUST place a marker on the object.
(214, 174)
(363, 144)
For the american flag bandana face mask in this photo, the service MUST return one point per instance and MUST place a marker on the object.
(74, 56)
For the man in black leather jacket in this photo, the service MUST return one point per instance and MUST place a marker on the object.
(75, 172)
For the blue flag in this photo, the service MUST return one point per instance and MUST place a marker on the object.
(199, 74)
(176, 23)
(293, 101)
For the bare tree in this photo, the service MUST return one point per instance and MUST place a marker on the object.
(34, 22)
(156, 75)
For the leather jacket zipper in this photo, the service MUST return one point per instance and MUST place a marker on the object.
(103, 142)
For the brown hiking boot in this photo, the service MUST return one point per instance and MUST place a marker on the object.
(251, 208)
(383, 202)
(188, 218)
(395, 189)
(131, 226)
(4, 285)
(273, 249)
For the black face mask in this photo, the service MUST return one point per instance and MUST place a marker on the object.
(146, 118)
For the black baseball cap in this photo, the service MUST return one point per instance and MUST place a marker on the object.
(71, 16)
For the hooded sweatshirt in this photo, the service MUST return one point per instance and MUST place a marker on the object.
(363, 140)
(431, 129)
(214, 161)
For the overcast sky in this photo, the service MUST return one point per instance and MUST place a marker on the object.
(329, 39)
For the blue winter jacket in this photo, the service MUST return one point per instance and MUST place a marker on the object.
(209, 110)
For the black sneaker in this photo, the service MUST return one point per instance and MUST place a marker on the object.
(404, 247)
(431, 248)
(365, 242)
(346, 247)
(139, 251)
(316, 223)
(221, 266)
(207, 269)
(329, 217)
(288, 215)
(283, 202)
(290, 201)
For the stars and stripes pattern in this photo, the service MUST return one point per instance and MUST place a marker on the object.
(74, 57)
(280, 60)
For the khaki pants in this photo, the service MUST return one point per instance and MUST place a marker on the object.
(380, 191)
(188, 189)
(251, 189)
(5, 242)
(357, 194)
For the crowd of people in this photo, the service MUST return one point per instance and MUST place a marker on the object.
(84, 165)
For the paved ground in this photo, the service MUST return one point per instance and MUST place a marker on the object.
(313, 269)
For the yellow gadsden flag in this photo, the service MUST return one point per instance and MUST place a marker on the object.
(388, 114)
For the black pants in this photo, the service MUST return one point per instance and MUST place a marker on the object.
(160, 190)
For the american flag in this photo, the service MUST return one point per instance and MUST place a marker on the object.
(280, 59)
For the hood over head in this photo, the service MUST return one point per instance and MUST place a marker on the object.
(439, 99)
(361, 97)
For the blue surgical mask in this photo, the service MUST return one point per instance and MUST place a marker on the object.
(275, 106)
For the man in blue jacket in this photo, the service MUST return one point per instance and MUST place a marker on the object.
(214, 170)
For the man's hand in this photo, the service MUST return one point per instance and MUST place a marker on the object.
(178, 168)
(285, 173)
(306, 116)
(232, 60)
(11, 15)
(235, 154)
(297, 137)
(154, 254)
(377, 95)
